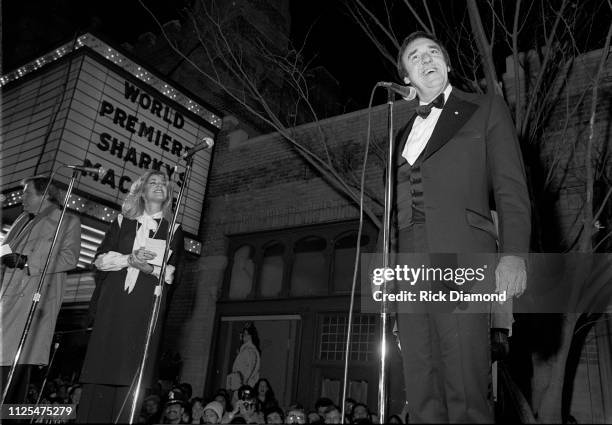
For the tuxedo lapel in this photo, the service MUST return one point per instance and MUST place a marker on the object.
(455, 114)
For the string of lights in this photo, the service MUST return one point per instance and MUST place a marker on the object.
(93, 209)
(118, 59)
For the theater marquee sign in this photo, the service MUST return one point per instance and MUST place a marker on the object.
(100, 115)
(142, 130)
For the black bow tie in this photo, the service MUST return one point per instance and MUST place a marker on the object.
(424, 110)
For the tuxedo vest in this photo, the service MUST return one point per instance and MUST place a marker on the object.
(409, 194)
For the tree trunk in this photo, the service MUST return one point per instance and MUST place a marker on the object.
(586, 240)
(484, 48)
(549, 375)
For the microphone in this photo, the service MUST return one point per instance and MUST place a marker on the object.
(99, 170)
(205, 143)
(407, 92)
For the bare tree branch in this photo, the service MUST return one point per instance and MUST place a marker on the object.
(232, 57)
(429, 29)
(547, 58)
(426, 7)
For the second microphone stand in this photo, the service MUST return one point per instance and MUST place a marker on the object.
(38, 293)
(160, 290)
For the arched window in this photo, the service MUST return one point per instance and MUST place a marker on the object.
(243, 267)
(309, 275)
(271, 274)
(344, 261)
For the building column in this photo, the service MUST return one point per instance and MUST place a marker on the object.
(196, 340)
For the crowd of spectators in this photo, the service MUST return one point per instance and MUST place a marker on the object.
(250, 405)
(177, 405)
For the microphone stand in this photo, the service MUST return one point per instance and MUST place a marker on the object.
(160, 290)
(44, 383)
(382, 381)
(37, 295)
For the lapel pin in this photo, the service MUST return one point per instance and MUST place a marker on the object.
(456, 112)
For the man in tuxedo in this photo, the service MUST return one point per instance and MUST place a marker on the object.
(457, 157)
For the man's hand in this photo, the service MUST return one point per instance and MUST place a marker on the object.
(511, 276)
(14, 260)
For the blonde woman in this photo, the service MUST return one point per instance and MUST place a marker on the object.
(125, 294)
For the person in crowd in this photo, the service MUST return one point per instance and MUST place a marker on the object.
(197, 410)
(212, 413)
(129, 267)
(32, 394)
(62, 393)
(457, 155)
(312, 417)
(360, 412)
(223, 397)
(151, 409)
(245, 369)
(274, 415)
(265, 394)
(295, 415)
(322, 405)
(395, 419)
(348, 408)
(333, 415)
(74, 395)
(174, 408)
(24, 251)
(246, 406)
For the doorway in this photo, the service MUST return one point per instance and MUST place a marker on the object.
(279, 343)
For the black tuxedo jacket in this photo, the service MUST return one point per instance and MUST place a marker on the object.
(472, 163)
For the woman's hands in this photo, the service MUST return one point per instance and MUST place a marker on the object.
(139, 260)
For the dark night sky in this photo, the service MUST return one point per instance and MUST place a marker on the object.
(33, 27)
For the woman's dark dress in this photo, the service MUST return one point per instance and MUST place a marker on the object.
(117, 342)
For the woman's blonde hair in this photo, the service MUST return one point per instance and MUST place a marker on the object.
(133, 205)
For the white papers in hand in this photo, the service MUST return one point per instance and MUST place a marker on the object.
(157, 246)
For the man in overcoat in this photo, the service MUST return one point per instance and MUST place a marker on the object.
(29, 241)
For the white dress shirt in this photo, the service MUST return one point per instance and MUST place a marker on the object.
(422, 130)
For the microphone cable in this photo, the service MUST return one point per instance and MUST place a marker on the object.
(357, 254)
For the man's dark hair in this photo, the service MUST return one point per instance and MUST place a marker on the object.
(411, 37)
(40, 183)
